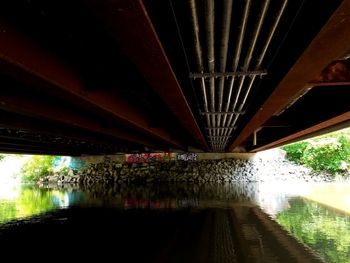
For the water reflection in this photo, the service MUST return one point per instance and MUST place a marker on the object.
(326, 231)
(322, 229)
(180, 195)
(29, 200)
(273, 198)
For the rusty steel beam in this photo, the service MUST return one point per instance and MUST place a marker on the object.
(327, 83)
(24, 138)
(331, 43)
(14, 143)
(35, 151)
(129, 23)
(24, 123)
(28, 62)
(337, 71)
(309, 132)
(39, 108)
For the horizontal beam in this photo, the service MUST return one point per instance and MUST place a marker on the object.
(309, 132)
(26, 61)
(328, 83)
(37, 151)
(46, 128)
(26, 139)
(130, 25)
(43, 109)
(331, 43)
(36, 146)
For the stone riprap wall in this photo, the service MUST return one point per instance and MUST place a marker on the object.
(228, 170)
(82, 162)
(260, 168)
(173, 171)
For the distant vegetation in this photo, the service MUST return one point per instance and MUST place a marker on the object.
(330, 152)
(36, 167)
(2, 157)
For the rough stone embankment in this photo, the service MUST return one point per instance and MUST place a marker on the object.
(258, 169)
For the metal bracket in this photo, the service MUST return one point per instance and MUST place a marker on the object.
(221, 128)
(222, 113)
(227, 74)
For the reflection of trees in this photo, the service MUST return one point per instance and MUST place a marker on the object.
(34, 201)
(29, 202)
(7, 211)
(325, 231)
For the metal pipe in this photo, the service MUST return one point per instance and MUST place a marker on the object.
(262, 55)
(198, 51)
(226, 25)
(251, 50)
(250, 54)
(209, 21)
(237, 54)
(272, 32)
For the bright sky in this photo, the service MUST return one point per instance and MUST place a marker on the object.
(9, 183)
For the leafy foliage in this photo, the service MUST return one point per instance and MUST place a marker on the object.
(296, 150)
(329, 153)
(36, 167)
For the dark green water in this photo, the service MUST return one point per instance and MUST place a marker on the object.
(324, 230)
(27, 201)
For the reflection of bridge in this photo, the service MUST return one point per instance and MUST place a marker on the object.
(240, 234)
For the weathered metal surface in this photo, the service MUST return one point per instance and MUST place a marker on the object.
(331, 43)
(140, 43)
(102, 75)
(33, 130)
(28, 62)
(304, 133)
(45, 110)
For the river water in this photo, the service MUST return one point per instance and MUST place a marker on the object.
(178, 222)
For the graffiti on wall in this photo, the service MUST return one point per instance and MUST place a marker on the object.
(148, 157)
(186, 157)
(154, 157)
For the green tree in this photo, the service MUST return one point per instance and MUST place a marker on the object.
(330, 152)
(295, 151)
(2, 156)
(330, 155)
(36, 167)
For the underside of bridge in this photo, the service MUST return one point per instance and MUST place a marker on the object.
(103, 77)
